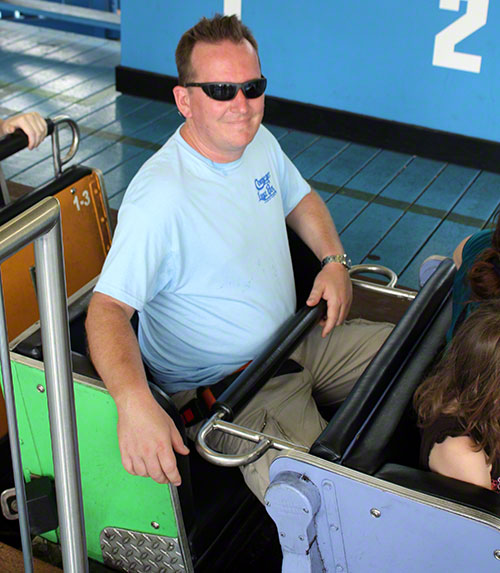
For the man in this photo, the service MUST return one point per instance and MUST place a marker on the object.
(201, 252)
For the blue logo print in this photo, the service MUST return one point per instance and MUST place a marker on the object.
(265, 190)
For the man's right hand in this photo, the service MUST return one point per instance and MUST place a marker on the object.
(147, 436)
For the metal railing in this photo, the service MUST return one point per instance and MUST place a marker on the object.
(389, 289)
(65, 12)
(57, 122)
(41, 224)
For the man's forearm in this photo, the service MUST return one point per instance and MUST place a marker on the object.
(312, 221)
(147, 436)
(114, 349)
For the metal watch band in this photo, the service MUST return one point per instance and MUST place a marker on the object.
(342, 259)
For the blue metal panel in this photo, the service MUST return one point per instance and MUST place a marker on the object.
(150, 31)
(372, 58)
(363, 528)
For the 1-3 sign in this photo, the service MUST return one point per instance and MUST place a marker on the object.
(83, 202)
(444, 45)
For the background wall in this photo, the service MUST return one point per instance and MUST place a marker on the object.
(430, 63)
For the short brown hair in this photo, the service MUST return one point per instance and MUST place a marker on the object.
(466, 382)
(212, 31)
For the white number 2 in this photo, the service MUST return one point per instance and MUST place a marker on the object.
(444, 46)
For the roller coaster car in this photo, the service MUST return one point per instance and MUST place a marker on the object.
(358, 501)
(86, 236)
(212, 522)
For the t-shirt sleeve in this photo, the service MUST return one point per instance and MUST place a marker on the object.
(293, 186)
(140, 261)
(475, 246)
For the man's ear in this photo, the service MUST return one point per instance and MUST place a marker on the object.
(182, 101)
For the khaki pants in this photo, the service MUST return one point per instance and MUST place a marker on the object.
(287, 406)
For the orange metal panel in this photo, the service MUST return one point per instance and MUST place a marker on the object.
(86, 240)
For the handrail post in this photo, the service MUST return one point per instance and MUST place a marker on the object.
(15, 450)
(42, 224)
(52, 303)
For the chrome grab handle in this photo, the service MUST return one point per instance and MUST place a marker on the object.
(58, 121)
(9, 511)
(386, 289)
(263, 443)
(377, 269)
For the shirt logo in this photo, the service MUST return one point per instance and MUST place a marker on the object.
(265, 190)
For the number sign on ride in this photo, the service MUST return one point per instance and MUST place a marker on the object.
(83, 202)
(445, 55)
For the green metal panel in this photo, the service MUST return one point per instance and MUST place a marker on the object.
(111, 496)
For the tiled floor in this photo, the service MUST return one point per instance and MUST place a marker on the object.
(389, 207)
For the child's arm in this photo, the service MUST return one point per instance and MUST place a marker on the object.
(456, 458)
(457, 254)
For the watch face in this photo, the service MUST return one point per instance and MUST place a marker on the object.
(342, 259)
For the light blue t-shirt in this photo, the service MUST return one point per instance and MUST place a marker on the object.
(201, 251)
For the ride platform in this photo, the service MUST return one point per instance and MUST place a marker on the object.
(12, 561)
(388, 206)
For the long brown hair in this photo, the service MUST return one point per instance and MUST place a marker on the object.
(484, 274)
(466, 382)
(212, 31)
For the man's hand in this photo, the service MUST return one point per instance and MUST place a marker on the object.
(333, 284)
(32, 123)
(148, 437)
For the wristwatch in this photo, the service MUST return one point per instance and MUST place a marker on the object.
(342, 259)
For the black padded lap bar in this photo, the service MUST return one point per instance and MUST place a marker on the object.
(379, 439)
(447, 489)
(382, 371)
(14, 142)
(279, 348)
(68, 177)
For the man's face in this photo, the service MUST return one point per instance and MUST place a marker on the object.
(221, 130)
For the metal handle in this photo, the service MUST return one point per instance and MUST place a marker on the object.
(5, 504)
(42, 224)
(57, 122)
(386, 289)
(377, 269)
(263, 443)
(12, 143)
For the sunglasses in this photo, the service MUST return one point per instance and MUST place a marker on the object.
(226, 91)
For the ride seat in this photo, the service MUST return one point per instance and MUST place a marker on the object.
(86, 239)
(375, 429)
(361, 429)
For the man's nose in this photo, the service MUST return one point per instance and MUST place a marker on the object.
(240, 102)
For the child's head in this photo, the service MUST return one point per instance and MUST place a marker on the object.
(466, 382)
(484, 274)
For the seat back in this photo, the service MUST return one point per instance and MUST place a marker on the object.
(86, 239)
(422, 327)
(391, 433)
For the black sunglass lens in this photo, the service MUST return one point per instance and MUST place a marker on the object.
(220, 92)
(255, 88)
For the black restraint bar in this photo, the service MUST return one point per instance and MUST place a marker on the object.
(279, 348)
(14, 142)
